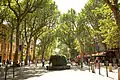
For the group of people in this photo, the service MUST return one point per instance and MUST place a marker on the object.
(96, 61)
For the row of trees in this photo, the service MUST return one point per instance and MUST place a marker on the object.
(96, 27)
(27, 20)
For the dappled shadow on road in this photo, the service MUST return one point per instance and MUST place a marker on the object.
(79, 68)
(111, 77)
(24, 73)
(102, 75)
(84, 68)
(32, 72)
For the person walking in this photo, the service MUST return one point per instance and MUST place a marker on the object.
(43, 62)
(96, 63)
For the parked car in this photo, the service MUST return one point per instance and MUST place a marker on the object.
(57, 62)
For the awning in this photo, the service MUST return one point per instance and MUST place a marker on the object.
(99, 54)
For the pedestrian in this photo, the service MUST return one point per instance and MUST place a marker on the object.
(96, 62)
(86, 60)
(7, 61)
(43, 62)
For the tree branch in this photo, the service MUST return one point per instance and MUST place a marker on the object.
(25, 31)
(15, 12)
(18, 6)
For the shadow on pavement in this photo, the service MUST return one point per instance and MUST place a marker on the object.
(22, 73)
(111, 77)
(79, 68)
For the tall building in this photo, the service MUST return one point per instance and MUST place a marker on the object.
(5, 44)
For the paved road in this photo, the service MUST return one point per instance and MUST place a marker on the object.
(76, 73)
(39, 73)
(71, 75)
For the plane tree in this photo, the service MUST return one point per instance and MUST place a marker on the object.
(109, 30)
(92, 20)
(66, 34)
(115, 7)
(33, 24)
(50, 18)
(20, 9)
(3, 11)
(46, 40)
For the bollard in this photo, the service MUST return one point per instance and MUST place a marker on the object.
(81, 64)
(115, 66)
(93, 69)
(99, 67)
(106, 71)
(107, 68)
(89, 67)
(35, 63)
(89, 64)
(110, 67)
(118, 73)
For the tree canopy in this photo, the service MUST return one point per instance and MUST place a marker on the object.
(95, 28)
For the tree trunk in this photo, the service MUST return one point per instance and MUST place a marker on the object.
(43, 58)
(27, 53)
(22, 52)
(81, 52)
(117, 17)
(34, 48)
(42, 55)
(17, 43)
(114, 7)
(11, 38)
(116, 12)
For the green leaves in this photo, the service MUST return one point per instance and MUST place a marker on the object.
(108, 27)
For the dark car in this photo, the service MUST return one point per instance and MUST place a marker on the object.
(57, 62)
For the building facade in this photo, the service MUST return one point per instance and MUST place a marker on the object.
(5, 44)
